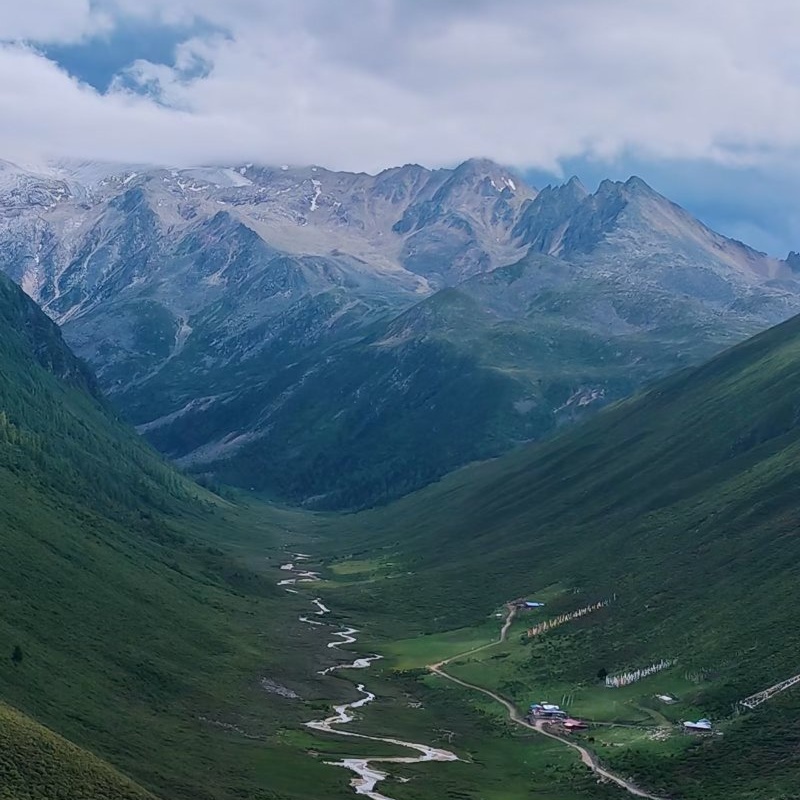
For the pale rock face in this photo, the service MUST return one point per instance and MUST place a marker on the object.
(302, 331)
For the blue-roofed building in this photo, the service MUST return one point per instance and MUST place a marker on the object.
(523, 604)
(545, 711)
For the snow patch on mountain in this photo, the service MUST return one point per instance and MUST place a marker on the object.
(317, 192)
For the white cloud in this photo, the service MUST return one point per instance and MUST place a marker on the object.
(372, 83)
(50, 20)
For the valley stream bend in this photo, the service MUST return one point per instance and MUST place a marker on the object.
(366, 775)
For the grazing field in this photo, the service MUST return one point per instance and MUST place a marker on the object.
(680, 506)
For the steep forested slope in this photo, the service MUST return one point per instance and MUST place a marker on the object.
(119, 629)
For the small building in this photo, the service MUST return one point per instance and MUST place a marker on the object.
(574, 724)
(546, 711)
(523, 604)
(668, 699)
(701, 726)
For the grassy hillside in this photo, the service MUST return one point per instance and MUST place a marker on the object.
(127, 632)
(123, 627)
(37, 764)
(680, 507)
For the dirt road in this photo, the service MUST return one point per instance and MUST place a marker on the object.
(587, 757)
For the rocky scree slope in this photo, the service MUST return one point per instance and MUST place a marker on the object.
(338, 339)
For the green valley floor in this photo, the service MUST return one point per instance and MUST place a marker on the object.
(632, 734)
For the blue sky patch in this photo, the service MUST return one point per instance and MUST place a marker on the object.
(98, 60)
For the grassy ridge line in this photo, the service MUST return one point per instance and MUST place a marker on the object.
(37, 764)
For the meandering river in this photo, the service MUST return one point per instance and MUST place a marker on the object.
(366, 776)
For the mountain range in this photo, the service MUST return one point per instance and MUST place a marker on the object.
(678, 506)
(338, 339)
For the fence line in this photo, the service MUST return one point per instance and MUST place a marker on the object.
(549, 624)
(759, 697)
(627, 678)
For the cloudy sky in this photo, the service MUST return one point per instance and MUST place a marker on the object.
(700, 98)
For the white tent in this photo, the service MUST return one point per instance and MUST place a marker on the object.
(700, 725)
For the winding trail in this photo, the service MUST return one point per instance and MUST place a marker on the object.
(367, 776)
(587, 757)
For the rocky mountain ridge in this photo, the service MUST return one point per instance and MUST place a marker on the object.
(294, 329)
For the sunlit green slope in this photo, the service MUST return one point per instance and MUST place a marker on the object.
(680, 506)
(36, 764)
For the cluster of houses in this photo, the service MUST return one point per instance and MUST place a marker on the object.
(555, 715)
(548, 712)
